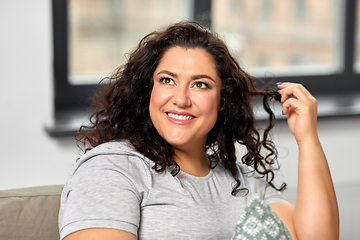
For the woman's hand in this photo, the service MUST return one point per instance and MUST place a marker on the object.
(301, 110)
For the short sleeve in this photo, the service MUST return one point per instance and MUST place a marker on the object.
(103, 193)
(256, 184)
(272, 195)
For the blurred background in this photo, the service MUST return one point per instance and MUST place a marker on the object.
(53, 53)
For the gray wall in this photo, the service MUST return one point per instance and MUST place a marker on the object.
(29, 157)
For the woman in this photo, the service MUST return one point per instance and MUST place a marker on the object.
(161, 160)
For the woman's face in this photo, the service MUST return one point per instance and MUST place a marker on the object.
(185, 98)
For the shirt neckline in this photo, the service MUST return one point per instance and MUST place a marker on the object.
(196, 178)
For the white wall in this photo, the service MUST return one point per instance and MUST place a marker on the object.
(29, 157)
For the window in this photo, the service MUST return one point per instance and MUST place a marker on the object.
(266, 9)
(316, 43)
(357, 42)
(90, 38)
(300, 9)
(102, 32)
(269, 37)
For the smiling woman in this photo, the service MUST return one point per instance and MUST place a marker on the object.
(160, 158)
(184, 108)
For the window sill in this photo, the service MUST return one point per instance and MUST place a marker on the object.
(67, 122)
(341, 105)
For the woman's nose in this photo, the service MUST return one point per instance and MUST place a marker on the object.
(181, 97)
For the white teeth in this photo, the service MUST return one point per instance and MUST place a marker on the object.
(180, 117)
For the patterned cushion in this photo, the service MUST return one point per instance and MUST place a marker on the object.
(260, 222)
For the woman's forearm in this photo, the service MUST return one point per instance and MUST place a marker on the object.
(316, 213)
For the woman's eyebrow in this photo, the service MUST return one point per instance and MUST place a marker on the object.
(195, 77)
(168, 73)
(202, 76)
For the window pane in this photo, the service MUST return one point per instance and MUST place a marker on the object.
(102, 31)
(281, 37)
(357, 39)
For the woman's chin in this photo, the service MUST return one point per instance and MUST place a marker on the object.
(180, 142)
(177, 143)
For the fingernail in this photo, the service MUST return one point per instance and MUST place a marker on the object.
(278, 83)
(282, 113)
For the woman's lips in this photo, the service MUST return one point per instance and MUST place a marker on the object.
(180, 118)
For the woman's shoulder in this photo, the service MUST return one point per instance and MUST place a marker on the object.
(250, 179)
(257, 184)
(121, 147)
(116, 153)
(118, 161)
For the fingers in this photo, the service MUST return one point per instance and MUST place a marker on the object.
(295, 97)
(301, 110)
(293, 90)
(294, 105)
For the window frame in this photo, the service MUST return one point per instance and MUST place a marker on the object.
(70, 101)
(346, 80)
(68, 96)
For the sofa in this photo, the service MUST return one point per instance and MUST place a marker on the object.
(30, 213)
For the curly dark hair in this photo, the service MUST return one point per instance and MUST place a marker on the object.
(122, 106)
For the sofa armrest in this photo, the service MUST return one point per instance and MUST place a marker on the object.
(30, 213)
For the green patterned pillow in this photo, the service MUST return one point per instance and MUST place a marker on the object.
(260, 222)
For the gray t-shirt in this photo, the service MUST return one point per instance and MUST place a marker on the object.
(114, 186)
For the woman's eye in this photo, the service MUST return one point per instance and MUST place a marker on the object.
(201, 85)
(167, 80)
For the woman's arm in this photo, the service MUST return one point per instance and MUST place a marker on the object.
(315, 215)
(100, 234)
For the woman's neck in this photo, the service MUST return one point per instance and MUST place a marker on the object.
(194, 163)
